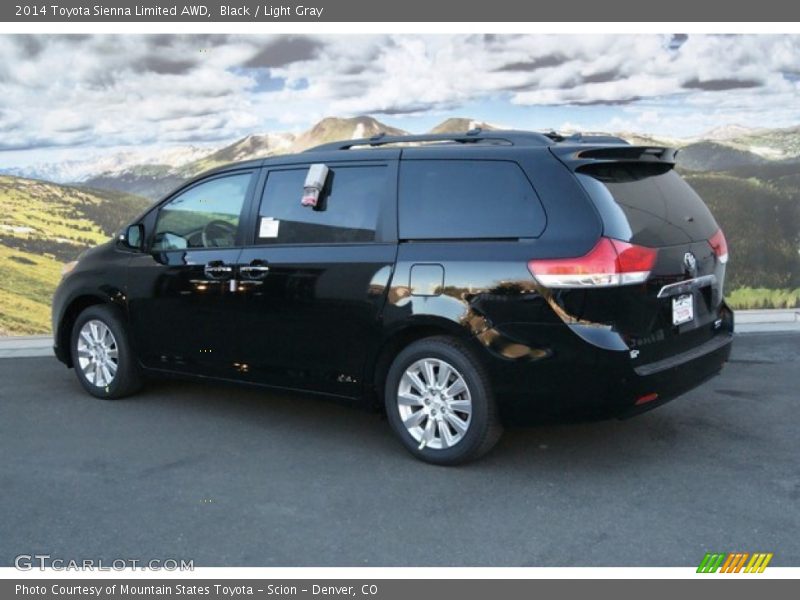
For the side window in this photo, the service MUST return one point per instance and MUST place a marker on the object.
(348, 209)
(469, 199)
(204, 216)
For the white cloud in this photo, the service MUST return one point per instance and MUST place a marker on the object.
(119, 90)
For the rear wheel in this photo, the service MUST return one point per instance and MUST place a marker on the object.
(439, 402)
(101, 354)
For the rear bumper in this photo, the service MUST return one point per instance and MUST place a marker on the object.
(676, 375)
(575, 378)
(678, 360)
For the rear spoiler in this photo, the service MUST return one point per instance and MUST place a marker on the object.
(576, 157)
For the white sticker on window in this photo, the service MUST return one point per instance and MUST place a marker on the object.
(268, 227)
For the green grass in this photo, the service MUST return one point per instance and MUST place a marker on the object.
(749, 298)
(42, 226)
(27, 282)
(80, 215)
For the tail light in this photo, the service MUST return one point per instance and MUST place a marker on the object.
(720, 246)
(609, 263)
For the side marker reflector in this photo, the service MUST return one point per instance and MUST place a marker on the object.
(646, 398)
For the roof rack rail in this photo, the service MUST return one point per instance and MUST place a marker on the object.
(473, 136)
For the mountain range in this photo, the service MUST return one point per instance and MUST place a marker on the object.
(153, 175)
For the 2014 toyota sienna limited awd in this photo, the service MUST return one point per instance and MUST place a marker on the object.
(457, 279)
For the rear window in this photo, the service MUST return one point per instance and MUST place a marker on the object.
(658, 207)
(467, 199)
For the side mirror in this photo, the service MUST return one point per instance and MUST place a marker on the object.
(133, 237)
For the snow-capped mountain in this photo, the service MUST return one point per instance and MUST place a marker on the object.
(154, 180)
(728, 132)
(81, 169)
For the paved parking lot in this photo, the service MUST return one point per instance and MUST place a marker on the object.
(241, 477)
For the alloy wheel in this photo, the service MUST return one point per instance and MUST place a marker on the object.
(98, 353)
(435, 404)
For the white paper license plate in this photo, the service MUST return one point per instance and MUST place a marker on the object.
(682, 309)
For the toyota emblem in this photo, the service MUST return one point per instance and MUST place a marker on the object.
(690, 263)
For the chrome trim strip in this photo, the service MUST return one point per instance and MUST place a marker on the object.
(681, 287)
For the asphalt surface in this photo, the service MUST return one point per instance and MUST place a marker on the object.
(241, 477)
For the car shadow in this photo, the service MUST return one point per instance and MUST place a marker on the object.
(607, 444)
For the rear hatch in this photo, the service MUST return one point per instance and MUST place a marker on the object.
(670, 251)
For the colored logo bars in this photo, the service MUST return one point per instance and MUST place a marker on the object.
(734, 562)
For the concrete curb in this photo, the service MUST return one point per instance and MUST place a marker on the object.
(26, 346)
(747, 321)
(778, 315)
(767, 320)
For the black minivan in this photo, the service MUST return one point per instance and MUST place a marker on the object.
(457, 279)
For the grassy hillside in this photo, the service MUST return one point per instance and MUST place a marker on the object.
(27, 282)
(43, 225)
(761, 219)
(713, 156)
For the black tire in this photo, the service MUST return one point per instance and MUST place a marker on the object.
(484, 427)
(128, 377)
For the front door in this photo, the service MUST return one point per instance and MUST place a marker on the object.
(182, 293)
(319, 277)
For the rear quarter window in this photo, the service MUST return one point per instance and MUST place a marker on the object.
(467, 199)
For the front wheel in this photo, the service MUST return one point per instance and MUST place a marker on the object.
(102, 356)
(439, 402)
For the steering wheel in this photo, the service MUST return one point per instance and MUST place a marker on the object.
(215, 230)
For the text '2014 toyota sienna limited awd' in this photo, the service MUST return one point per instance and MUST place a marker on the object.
(457, 279)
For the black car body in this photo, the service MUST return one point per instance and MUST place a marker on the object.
(562, 266)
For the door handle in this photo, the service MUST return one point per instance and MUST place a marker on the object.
(216, 269)
(258, 269)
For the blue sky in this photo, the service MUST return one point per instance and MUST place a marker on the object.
(65, 97)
